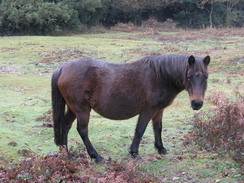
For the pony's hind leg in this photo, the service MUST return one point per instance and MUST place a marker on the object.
(69, 118)
(83, 114)
(157, 128)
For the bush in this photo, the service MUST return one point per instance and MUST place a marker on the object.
(36, 18)
(221, 129)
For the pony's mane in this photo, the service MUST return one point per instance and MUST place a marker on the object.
(172, 67)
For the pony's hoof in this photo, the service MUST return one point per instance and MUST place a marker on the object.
(135, 155)
(71, 157)
(100, 159)
(162, 151)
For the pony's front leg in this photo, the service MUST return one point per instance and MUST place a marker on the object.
(82, 127)
(141, 126)
(157, 128)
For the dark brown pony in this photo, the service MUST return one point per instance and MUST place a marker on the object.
(121, 91)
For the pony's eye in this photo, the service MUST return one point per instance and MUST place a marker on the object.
(205, 77)
(189, 77)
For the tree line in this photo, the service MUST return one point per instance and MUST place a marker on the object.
(43, 17)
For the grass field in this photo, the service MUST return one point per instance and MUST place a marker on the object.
(26, 64)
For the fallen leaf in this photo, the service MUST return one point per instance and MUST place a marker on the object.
(175, 178)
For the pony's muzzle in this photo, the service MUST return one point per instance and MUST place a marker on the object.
(196, 104)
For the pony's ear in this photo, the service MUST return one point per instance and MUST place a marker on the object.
(206, 60)
(191, 60)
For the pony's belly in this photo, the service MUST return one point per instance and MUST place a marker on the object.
(115, 113)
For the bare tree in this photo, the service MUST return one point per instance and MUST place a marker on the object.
(203, 4)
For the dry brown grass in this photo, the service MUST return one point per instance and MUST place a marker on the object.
(128, 27)
(221, 129)
(150, 25)
(57, 168)
(154, 26)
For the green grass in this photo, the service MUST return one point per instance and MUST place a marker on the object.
(26, 64)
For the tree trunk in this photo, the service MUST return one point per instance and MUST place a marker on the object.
(228, 16)
(211, 16)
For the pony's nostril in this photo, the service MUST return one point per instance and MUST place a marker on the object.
(196, 105)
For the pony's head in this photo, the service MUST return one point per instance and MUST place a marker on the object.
(196, 80)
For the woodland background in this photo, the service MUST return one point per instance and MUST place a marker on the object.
(54, 17)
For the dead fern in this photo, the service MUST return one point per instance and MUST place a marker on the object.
(221, 129)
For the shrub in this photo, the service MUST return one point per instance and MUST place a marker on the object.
(221, 129)
(36, 17)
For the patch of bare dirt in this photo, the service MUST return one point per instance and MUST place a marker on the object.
(14, 144)
(46, 119)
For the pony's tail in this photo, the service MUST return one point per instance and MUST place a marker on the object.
(58, 106)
